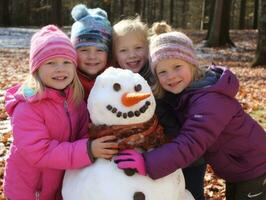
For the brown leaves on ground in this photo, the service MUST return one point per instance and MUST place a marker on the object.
(252, 93)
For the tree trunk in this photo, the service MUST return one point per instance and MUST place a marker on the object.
(211, 14)
(219, 29)
(184, 14)
(57, 12)
(161, 9)
(242, 14)
(143, 13)
(260, 57)
(121, 9)
(107, 8)
(202, 15)
(5, 13)
(256, 8)
(171, 12)
(137, 7)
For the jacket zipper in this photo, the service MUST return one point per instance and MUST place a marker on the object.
(69, 118)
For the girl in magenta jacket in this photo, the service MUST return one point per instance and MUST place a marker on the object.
(49, 121)
(213, 123)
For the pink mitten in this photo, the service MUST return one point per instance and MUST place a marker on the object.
(131, 159)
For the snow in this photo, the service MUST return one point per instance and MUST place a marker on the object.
(103, 180)
(15, 37)
(103, 88)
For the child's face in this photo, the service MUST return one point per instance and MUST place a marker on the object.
(131, 52)
(57, 73)
(91, 60)
(174, 75)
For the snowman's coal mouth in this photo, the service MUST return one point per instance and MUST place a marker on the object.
(130, 114)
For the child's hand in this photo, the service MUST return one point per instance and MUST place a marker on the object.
(131, 159)
(104, 147)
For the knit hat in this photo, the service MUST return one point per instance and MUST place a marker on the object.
(92, 28)
(48, 43)
(172, 45)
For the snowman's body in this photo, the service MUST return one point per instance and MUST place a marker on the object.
(103, 180)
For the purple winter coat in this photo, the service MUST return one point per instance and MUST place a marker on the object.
(45, 131)
(216, 127)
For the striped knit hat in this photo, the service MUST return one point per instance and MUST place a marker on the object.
(48, 43)
(91, 28)
(172, 45)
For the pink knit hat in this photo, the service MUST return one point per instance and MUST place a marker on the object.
(172, 45)
(48, 43)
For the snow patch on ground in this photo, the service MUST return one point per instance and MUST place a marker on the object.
(15, 37)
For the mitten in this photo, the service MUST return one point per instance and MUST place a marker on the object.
(131, 159)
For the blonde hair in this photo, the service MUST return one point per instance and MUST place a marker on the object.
(197, 72)
(127, 26)
(158, 91)
(159, 28)
(34, 83)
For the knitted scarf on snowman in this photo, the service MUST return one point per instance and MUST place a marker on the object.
(143, 135)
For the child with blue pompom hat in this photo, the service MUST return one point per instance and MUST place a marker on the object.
(91, 35)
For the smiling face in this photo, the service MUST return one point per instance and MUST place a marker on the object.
(131, 51)
(57, 73)
(174, 74)
(91, 60)
(120, 97)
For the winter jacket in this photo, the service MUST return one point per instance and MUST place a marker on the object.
(46, 129)
(214, 125)
(87, 84)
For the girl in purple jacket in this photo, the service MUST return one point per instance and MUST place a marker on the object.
(49, 121)
(214, 125)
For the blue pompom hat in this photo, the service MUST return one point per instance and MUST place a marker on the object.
(92, 28)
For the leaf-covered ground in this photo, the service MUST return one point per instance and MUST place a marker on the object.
(252, 94)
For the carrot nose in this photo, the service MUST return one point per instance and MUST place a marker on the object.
(130, 99)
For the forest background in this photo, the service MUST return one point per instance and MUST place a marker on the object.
(225, 32)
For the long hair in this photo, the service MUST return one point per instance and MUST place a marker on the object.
(34, 82)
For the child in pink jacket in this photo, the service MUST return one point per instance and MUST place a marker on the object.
(49, 121)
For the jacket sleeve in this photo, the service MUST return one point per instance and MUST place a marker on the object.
(84, 122)
(167, 119)
(32, 141)
(206, 118)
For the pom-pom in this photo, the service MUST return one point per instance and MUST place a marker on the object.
(100, 12)
(79, 11)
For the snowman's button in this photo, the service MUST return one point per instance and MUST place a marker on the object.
(139, 196)
(129, 172)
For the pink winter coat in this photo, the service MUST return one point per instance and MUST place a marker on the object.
(46, 130)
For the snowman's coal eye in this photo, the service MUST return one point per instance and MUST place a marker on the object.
(138, 88)
(117, 86)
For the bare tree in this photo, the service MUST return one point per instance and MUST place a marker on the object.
(57, 12)
(171, 11)
(5, 12)
(242, 14)
(161, 9)
(256, 8)
(137, 7)
(260, 57)
(218, 31)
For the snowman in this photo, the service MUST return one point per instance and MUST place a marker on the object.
(121, 99)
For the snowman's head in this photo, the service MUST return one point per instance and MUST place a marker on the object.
(120, 97)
